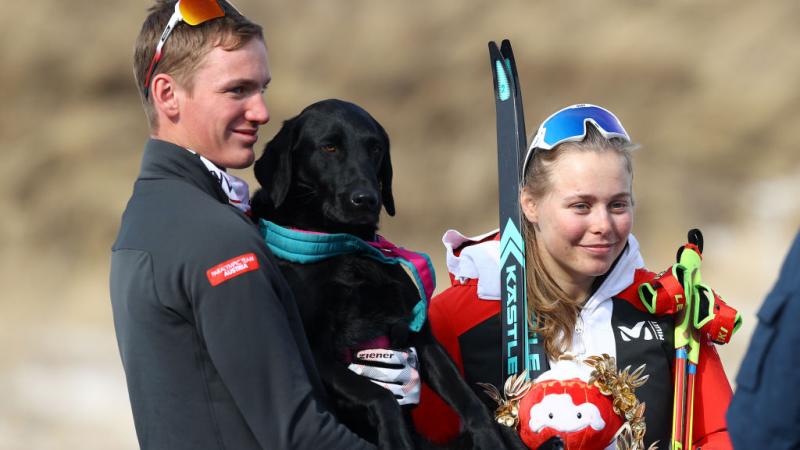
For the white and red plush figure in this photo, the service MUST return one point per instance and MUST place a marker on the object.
(562, 403)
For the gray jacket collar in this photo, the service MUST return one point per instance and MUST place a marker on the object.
(165, 160)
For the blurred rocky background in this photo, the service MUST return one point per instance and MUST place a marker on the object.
(710, 90)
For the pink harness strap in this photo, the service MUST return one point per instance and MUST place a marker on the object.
(419, 262)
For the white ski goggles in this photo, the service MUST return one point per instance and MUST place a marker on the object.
(569, 125)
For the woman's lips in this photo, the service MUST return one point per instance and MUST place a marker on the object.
(599, 249)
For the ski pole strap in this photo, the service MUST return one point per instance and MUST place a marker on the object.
(724, 320)
(663, 294)
(306, 247)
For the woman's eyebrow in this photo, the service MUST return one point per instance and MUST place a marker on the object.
(588, 197)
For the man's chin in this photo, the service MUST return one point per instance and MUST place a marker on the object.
(243, 162)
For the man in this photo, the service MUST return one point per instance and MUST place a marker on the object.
(213, 348)
(765, 411)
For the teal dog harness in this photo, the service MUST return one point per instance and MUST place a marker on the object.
(306, 247)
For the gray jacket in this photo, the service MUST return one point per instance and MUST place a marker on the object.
(211, 341)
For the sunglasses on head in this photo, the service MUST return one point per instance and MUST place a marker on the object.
(193, 12)
(569, 125)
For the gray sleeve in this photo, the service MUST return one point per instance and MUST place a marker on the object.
(247, 331)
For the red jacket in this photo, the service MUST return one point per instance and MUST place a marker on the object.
(459, 310)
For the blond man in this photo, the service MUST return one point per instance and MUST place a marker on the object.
(210, 338)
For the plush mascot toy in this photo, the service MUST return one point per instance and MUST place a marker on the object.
(584, 403)
(562, 403)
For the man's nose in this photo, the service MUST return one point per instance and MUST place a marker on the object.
(257, 111)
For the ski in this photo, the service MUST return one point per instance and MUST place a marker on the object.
(536, 354)
(511, 64)
(517, 355)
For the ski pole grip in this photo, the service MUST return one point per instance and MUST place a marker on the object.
(696, 237)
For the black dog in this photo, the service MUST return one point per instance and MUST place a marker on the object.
(328, 170)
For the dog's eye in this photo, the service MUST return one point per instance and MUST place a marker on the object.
(329, 148)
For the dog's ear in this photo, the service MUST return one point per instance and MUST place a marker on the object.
(385, 175)
(274, 169)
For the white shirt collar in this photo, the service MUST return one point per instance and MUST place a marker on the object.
(235, 188)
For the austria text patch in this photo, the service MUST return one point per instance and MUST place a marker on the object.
(232, 268)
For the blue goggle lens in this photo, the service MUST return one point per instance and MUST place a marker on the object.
(570, 124)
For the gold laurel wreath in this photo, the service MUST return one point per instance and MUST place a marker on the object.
(620, 385)
(515, 387)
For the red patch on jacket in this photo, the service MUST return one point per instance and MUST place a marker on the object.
(232, 268)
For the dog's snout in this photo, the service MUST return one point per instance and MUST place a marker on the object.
(364, 199)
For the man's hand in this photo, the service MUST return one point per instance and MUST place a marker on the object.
(395, 370)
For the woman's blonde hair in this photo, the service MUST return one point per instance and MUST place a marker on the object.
(551, 313)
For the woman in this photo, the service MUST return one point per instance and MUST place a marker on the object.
(577, 203)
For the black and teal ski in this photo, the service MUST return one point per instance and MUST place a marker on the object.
(521, 350)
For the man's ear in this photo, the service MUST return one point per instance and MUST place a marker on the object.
(164, 93)
(528, 204)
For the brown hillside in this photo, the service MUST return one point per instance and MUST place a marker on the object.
(709, 89)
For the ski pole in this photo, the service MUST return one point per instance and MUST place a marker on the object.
(679, 379)
(702, 313)
(699, 312)
(687, 346)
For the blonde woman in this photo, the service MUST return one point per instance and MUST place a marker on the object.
(577, 202)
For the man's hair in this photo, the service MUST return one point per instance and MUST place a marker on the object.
(186, 47)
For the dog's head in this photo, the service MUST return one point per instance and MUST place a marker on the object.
(328, 169)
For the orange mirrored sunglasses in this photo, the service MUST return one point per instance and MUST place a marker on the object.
(193, 12)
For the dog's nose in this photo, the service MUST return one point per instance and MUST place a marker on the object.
(364, 199)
